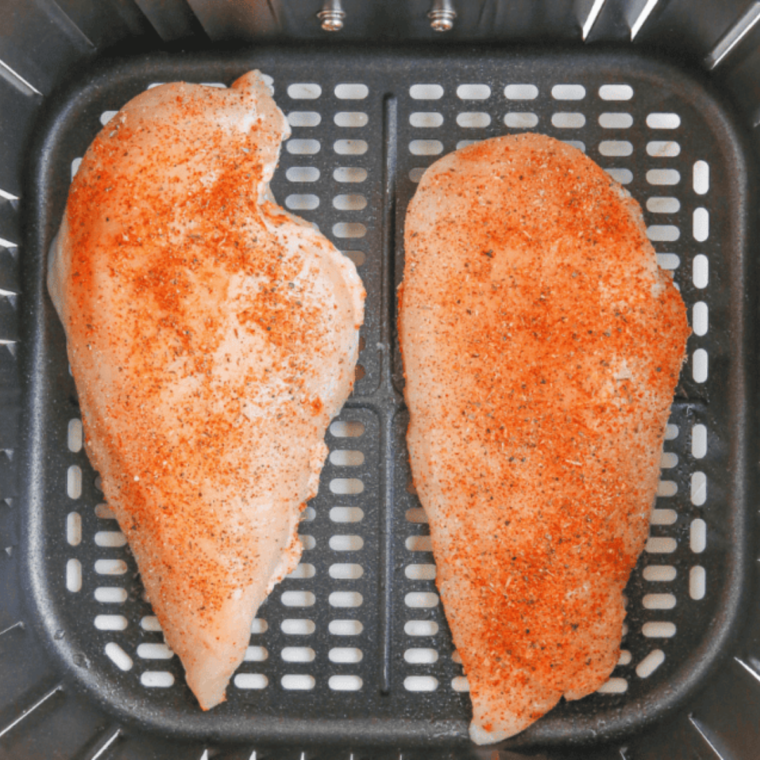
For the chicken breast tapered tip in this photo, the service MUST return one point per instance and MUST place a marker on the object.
(212, 336)
(542, 345)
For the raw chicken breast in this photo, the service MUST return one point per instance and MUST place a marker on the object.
(542, 346)
(212, 337)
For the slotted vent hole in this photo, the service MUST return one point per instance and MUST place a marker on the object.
(74, 481)
(298, 654)
(351, 119)
(426, 147)
(74, 437)
(103, 512)
(521, 92)
(350, 174)
(419, 544)
(664, 516)
(346, 571)
(110, 538)
(153, 651)
(346, 486)
(650, 663)
(663, 121)
(520, 119)
(302, 202)
(345, 627)
(416, 515)
(259, 626)
(298, 682)
(110, 567)
(421, 656)
(353, 202)
(426, 91)
(111, 622)
(616, 148)
(699, 320)
(663, 176)
(345, 683)
(700, 271)
(358, 257)
(150, 623)
(250, 681)
(303, 570)
(346, 543)
(346, 458)
(615, 120)
(568, 120)
(346, 514)
(426, 119)
(473, 92)
(421, 628)
(460, 684)
(298, 626)
(699, 441)
(350, 147)
(614, 686)
(697, 582)
(157, 679)
(304, 91)
(302, 147)
(701, 225)
(616, 92)
(345, 599)
(349, 230)
(118, 656)
(663, 205)
(74, 529)
(111, 594)
(663, 148)
(420, 572)
(345, 655)
(304, 118)
(659, 601)
(420, 683)
(568, 92)
(623, 176)
(351, 91)
(473, 120)
(73, 575)
(698, 535)
(701, 177)
(700, 367)
(659, 573)
(659, 630)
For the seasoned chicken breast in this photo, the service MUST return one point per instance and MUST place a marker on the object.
(542, 345)
(212, 337)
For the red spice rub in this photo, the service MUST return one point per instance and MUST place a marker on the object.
(212, 336)
(542, 346)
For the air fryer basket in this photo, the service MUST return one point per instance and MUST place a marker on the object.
(351, 655)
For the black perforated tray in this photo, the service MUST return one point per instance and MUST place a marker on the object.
(384, 678)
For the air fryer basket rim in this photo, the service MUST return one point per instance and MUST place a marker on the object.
(41, 222)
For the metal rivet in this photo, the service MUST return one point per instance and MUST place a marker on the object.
(331, 16)
(442, 15)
